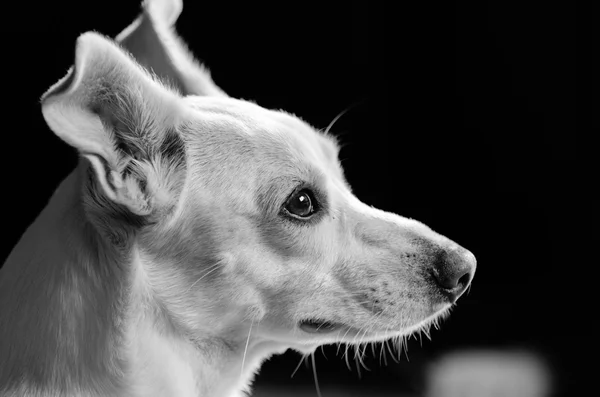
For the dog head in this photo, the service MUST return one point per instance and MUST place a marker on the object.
(238, 216)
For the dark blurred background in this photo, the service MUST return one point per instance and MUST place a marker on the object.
(462, 116)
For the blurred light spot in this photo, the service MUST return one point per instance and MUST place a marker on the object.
(490, 373)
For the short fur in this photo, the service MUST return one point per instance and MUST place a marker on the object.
(165, 264)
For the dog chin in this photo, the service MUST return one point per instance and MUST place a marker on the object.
(433, 319)
(320, 332)
(306, 348)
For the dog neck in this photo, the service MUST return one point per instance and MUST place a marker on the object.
(81, 321)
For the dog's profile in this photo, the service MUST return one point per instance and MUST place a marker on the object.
(198, 235)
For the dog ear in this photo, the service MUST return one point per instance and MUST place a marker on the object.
(122, 120)
(152, 40)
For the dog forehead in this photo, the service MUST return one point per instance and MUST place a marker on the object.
(246, 121)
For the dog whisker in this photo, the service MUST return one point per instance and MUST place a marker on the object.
(390, 350)
(357, 366)
(323, 352)
(211, 269)
(314, 366)
(346, 333)
(346, 358)
(384, 352)
(246, 348)
(340, 114)
(302, 359)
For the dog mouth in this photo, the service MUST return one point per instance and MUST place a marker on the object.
(317, 326)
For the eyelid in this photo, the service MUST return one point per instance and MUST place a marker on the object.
(297, 189)
(319, 201)
(313, 202)
(305, 186)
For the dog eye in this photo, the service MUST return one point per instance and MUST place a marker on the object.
(301, 204)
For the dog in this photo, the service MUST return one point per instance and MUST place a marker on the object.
(199, 235)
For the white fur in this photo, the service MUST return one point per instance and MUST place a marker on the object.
(165, 264)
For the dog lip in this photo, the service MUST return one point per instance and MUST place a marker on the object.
(316, 326)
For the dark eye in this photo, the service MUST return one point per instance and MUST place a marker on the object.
(301, 204)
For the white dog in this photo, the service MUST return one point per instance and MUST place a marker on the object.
(199, 235)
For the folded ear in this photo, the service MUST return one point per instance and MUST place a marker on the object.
(123, 121)
(152, 40)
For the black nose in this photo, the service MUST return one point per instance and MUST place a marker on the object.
(453, 271)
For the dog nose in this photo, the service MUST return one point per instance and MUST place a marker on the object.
(453, 271)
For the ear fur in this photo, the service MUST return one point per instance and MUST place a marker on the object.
(122, 120)
(153, 42)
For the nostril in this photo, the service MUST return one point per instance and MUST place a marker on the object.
(443, 280)
(464, 280)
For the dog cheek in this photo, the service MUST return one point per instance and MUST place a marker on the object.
(268, 270)
(278, 240)
(243, 282)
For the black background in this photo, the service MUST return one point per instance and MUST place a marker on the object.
(462, 116)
